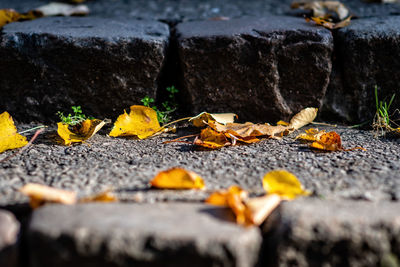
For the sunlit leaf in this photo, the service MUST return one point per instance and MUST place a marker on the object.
(202, 119)
(80, 132)
(105, 196)
(219, 198)
(283, 123)
(211, 139)
(177, 178)
(311, 135)
(303, 118)
(8, 15)
(141, 122)
(41, 194)
(330, 141)
(9, 138)
(284, 184)
(247, 129)
(259, 208)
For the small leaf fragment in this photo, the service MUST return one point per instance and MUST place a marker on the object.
(284, 184)
(303, 118)
(177, 178)
(9, 137)
(222, 118)
(79, 133)
(41, 194)
(283, 123)
(105, 196)
(141, 122)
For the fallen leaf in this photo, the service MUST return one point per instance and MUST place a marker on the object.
(259, 208)
(141, 122)
(323, 9)
(62, 9)
(329, 24)
(202, 119)
(41, 194)
(303, 118)
(7, 16)
(211, 139)
(105, 196)
(9, 137)
(80, 132)
(330, 141)
(283, 123)
(284, 184)
(311, 135)
(219, 198)
(177, 178)
(248, 129)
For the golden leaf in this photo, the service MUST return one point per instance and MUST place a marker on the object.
(310, 135)
(283, 123)
(259, 208)
(329, 24)
(105, 196)
(303, 118)
(9, 138)
(141, 122)
(330, 141)
(7, 16)
(177, 178)
(41, 194)
(219, 198)
(284, 184)
(211, 139)
(223, 118)
(79, 133)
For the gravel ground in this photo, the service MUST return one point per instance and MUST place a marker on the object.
(127, 165)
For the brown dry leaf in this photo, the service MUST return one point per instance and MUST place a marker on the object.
(330, 141)
(311, 135)
(284, 184)
(41, 194)
(105, 196)
(202, 119)
(211, 139)
(248, 129)
(79, 133)
(141, 122)
(303, 118)
(9, 137)
(323, 9)
(62, 9)
(8, 15)
(177, 178)
(259, 208)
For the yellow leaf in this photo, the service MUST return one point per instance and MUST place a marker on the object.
(311, 135)
(79, 133)
(284, 184)
(223, 118)
(177, 178)
(259, 208)
(303, 118)
(106, 196)
(283, 123)
(7, 16)
(9, 138)
(330, 141)
(41, 194)
(219, 198)
(141, 122)
(211, 139)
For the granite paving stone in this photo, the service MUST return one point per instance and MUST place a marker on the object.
(9, 236)
(260, 68)
(163, 234)
(104, 65)
(314, 232)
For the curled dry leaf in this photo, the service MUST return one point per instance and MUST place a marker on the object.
(330, 141)
(211, 139)
(323, 9)
(177, 178)
(141, 122)
(79, 133)
(9, 137)
(41, 194)
(303, 118)
(259, 208)
(219, 198)
(284, 184)
(310, 135)
(222, 118)
(105, 196)
(248, 129)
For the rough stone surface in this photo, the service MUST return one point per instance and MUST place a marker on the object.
(50, 64)
(261, 68)
(335, 233)
(368, 54)
(140, 235)
(128, 166)
(9, 231)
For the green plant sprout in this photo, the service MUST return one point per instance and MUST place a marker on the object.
(169, 106)
(381, 123)
(73, 119)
